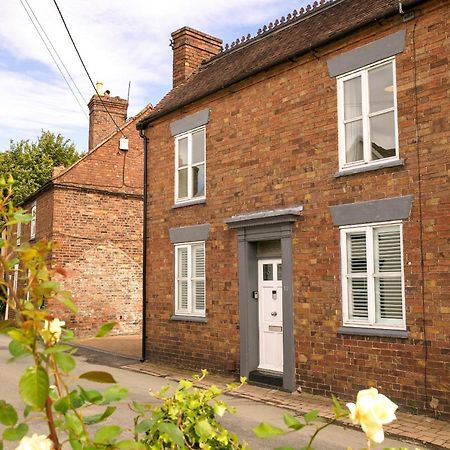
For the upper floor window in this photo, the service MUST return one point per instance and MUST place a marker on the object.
(367, 110)
(190, 279)
(372, 276)
(190, 165)
(33, 222)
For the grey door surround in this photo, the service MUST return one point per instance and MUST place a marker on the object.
(252, 228)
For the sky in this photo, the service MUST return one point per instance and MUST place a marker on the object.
(119, 40)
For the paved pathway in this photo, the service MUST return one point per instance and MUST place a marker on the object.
(422, 429)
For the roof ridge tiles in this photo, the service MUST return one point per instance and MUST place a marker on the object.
(294, 16)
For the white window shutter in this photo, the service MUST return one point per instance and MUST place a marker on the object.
(182, 275)
(198, 275)
(357, 275)
(388, 273)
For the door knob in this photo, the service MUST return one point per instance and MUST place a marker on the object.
(273, 313)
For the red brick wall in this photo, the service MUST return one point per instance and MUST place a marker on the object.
(44, 217)
(99, 238)
(101, 124)
(109, 168)
(190, 49)
(272, 142)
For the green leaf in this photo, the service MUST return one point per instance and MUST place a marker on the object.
(265, 430)
(138, 407)
(17, 335)
(106, 434)
(27, 410)
(144, 426)
(220, 408)
(338, 410)
(98, 377)
(105, 329)
(173, 432)
(75, 443)
(18, 349)
(291, 422)
(8, 415)
(62, 405)
(130, 445)
(311, 416)
(65, 362)
(65, 298)
(33, 386)
(115, 394)
(204, 429)
(15, 434)
(96, 418)
(5, 326)
(74, 424)
(91, 395)
(57, 349)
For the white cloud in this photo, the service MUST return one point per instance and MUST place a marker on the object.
(120, 41)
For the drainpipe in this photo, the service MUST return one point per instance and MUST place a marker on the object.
(144, 252)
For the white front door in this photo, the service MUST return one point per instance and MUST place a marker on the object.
(270, 315)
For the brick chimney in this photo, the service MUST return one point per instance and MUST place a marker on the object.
(100, 123)
(190, 48)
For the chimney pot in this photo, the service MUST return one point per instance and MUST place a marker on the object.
(99, 88)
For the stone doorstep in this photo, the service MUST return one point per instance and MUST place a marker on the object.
(435, 433)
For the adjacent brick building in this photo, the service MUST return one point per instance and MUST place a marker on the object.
(298, 192)
(93, 212)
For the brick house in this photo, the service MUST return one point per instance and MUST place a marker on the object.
(298, 203)
(93, 211)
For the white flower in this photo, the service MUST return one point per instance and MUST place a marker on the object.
(35, 442)
(372, 411)
(52, 331)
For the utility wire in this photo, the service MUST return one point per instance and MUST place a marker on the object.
(56, 52)
(52, 56)
(84, 66)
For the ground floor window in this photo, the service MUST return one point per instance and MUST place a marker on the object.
(372, 276)
(190, 279)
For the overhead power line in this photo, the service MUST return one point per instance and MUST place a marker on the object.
(35, 24)
(84, 65)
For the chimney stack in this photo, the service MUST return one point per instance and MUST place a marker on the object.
(100, 123)
(190, 48)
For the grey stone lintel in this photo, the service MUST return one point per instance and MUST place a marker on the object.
(397, 208)
(189, 234)
(357, 331)
(269, 217)
(367, 54)
(190, 122)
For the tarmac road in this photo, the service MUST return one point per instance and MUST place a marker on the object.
(249, 413)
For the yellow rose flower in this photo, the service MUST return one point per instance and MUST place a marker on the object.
(372, 411)
(52, 331)
(35, 442)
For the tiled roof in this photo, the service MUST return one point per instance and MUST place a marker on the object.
(290, 38)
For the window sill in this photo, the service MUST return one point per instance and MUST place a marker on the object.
(369, 168)
(189, 203)
(356, 331)
(180, 318)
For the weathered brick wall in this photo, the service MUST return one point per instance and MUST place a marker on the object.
(101, 124)
(99, 238)
(44, 216)
(272, 142)
(109, 168)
